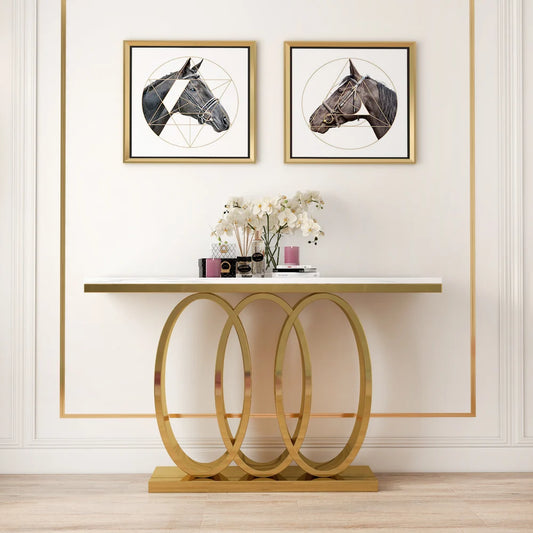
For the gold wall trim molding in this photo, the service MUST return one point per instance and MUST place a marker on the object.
(472, 125)
(267, 415)
(62, 371)
(62, 200)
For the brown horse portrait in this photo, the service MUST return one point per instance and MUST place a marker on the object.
(347, 99)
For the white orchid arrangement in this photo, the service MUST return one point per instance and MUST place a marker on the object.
(274, 217)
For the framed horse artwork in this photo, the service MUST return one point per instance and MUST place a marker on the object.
(349, 102)
(189, 102)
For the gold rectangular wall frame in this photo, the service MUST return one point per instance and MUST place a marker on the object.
(340, 155)
(472, 408)
(195, 155)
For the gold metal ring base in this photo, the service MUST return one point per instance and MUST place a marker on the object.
(276, 475)
(234, 479)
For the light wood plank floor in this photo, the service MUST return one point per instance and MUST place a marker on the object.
(406, 502)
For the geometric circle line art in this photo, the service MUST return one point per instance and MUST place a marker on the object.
(349, 103)
(190, 102)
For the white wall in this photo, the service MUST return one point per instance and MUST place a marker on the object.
(379, 220)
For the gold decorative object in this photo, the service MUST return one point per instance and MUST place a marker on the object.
(248, 468)
(279, 474)
(340, 102)
(182, 97)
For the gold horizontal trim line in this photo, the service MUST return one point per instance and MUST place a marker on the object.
(267, 415)
(262, 287)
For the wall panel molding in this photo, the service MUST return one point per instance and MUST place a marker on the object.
(503, 436)
(23, 205)
(512, 413)
(511, 221)
(11, 413)
(104, 460)
(527, 51)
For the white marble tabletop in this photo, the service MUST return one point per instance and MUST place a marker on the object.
(271, 285)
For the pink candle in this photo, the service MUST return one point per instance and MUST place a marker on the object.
(292, 255)
(212, 267)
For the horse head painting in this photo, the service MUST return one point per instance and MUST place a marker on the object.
(196, 101)
(346, 101)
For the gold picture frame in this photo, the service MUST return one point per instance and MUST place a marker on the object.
(189, 101)
(350, 102)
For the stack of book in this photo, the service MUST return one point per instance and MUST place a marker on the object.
(295, 271)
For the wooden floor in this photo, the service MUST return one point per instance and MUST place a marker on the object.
(413, 502)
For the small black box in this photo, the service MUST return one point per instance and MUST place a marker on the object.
(227, 267)
(201, 267)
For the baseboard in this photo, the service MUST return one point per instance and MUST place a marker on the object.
(107, 461)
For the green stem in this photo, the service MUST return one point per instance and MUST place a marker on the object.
(276, 249)
(271, 258)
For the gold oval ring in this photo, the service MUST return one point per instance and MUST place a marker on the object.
(341, 461)
(278, 464)
(294, 442)
(182, 460)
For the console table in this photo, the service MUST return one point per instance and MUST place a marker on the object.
(277, 475)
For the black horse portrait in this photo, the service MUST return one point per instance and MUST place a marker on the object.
(196, 101)
(345, 102)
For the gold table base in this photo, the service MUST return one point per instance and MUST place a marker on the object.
(277, 474)
(234, 479)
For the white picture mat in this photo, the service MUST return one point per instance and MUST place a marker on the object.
(313, 70)
(233, 142)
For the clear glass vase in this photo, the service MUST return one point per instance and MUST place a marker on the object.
(272, 250)
(271, 237)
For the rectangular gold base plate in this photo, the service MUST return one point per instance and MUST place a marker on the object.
(234, 479)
